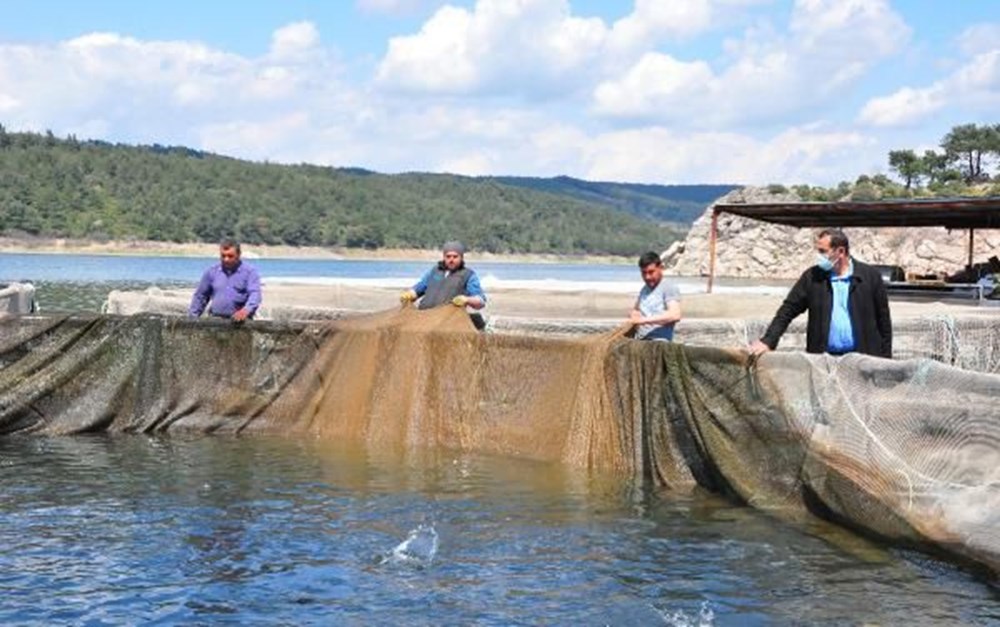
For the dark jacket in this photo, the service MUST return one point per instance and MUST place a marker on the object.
(868, 304)
(443, 286)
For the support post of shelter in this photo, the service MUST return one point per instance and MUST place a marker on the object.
(713, 236)
(972, 233)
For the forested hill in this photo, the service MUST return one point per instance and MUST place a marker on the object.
(87, 189)
(679, 204)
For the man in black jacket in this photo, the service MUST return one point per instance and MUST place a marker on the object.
(847, 302)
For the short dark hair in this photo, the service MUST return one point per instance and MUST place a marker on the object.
(228, 242)
(648, 258)
(838, 239)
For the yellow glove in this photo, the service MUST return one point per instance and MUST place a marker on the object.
(407, 297)
(460, 301)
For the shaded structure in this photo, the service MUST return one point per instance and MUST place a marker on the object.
(952, 213)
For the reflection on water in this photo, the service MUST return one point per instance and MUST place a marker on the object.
(133, 529)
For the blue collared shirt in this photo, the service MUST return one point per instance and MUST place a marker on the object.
(472, 286)
(229, 291)
(841, 338)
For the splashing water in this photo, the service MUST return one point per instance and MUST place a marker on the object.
(418, 549)
(704, 618)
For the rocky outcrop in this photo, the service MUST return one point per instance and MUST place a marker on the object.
(752, 249)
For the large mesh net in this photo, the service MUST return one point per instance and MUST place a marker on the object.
(968, 341)
(905, 450)
(960, 335)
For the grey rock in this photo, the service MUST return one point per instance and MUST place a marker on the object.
(752, 249)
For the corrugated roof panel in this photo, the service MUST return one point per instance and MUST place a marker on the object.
(955, 213)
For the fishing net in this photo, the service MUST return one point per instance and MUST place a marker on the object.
(908, 451)
(413, 378)
(77, 374)
(966, 337)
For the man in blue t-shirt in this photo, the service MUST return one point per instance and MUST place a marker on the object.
(658, 307)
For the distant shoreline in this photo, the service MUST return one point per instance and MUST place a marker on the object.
(148, 248)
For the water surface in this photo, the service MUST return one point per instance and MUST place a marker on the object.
(130, 529)
(112, 530)
(82, 282)
(39, 267)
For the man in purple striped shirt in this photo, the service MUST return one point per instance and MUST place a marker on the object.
(231, 285)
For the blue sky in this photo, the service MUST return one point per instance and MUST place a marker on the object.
(659, 91)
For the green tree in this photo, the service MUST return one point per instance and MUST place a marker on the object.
(907, 165)
(993, 142)
(935, 166)
(56, 187)
(865, 191)
(970, 145)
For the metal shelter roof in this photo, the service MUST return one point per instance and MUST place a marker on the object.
(951, 213)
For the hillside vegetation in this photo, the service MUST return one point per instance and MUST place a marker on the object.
(676, 204)
(89, 189)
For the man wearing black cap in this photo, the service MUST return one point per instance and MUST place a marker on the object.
(448, 282)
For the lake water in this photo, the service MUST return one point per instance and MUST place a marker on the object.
(124, 530)
(95, 268)
(82, 282)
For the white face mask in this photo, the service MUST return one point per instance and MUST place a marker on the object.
(824, 262)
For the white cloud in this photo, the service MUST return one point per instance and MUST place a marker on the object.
(823, 27)
(906, 106)
(475, 141)
(651, 20)
(769, 76)
(975, 87)
(655, 86)
(292, 103)
(658, 154)
(500, 45)
(148, 90)
(532, 46)
(390, 7)
(271, 135)
(8, 103)
(436, 59)
(108, 76)
(979, 38)
(294, 39)
(474, 164)
(981, 75)
(538, 49)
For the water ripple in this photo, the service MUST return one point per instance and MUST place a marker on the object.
(111, 530)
